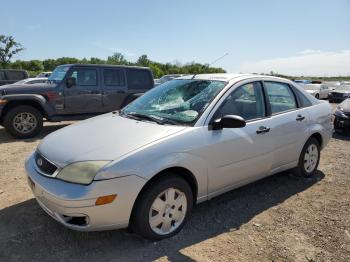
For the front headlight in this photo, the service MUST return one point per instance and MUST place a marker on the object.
(81, 172)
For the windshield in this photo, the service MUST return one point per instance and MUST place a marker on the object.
(178, 101)
(58, 74)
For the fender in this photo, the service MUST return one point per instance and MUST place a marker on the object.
(28, 97)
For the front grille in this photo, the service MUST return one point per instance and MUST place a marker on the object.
(45, 167)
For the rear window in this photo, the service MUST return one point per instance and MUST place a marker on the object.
(139, 79)
(113, 77)
(15, 75)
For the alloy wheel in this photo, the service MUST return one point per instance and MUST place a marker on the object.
(168, 211)
(311, 158)
(24, 122)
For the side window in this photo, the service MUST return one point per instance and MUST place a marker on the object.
(139, 79)
(15, 75)
(280, 96)
(2, 75)
(84, 76)
(303, 100)
(246, 101)
(113, 77)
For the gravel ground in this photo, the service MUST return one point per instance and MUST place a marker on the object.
(280, 218)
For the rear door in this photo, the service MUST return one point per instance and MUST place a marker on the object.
(85, 96)
(289, 124)
(138, 80)
(114, 88)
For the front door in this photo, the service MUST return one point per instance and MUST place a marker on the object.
(239, 155)
(85, 96)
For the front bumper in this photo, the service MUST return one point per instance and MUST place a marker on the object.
(73, 205)
(341, 124)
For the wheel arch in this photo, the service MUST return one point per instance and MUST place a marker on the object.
(12, 103)
(318, 137)
(182, 172)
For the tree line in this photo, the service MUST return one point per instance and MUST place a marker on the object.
(9, 47)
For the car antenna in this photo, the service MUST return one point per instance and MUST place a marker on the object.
(208, 65)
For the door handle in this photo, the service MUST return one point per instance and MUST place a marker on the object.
(263, 129)
(94, 92)
(120, 92)
(300, 118)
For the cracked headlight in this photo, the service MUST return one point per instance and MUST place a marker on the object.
(81, 172)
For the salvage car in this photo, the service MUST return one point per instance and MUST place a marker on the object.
(181, 143)
(319, 91)
(342, 117)
(339, 94)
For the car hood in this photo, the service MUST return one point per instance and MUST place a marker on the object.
(106, 137)
(341, 91)
(25, 88)
(346, 105)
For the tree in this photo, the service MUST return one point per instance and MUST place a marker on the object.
(8, 48)
(143, 61)
(117, 59)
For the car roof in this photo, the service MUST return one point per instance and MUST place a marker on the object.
(228, 77)
(106, 65)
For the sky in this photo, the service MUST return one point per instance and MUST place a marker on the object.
(299, 37)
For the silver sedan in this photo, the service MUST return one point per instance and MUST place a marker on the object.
(183, 142)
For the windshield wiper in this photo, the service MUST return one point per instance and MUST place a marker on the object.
(156, 119)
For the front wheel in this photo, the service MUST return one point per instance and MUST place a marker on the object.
(317, 96)
(23, 121)
(162, 209)
(309, 158)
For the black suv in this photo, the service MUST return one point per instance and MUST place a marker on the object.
(10, 76)
(72, 92)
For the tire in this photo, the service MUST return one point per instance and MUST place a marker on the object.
(172, 215)
(301, 169)
(317, 96)
(23, 121)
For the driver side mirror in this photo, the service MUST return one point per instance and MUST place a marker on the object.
(70, 81)
(228, 121)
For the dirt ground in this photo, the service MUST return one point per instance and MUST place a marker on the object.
(280, 218)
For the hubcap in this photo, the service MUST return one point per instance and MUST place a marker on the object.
(311, 158)
(168, 211)
(24, 122)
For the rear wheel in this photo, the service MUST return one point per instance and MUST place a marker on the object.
(317, 96)
(23, 121)
(162, 209)
(309, 158)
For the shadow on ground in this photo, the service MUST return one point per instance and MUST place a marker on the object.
(7, 138)
(342, 136)
(27, 233)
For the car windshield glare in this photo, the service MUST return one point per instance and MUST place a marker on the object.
(181, 101)
(58, 74)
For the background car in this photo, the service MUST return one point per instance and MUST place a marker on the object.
(72, 92)
(44, 74)
(319, 91)
(29, 81)
(342, 116)
(339, 94)
(183, 142)
(10, 76)
(167, 78)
